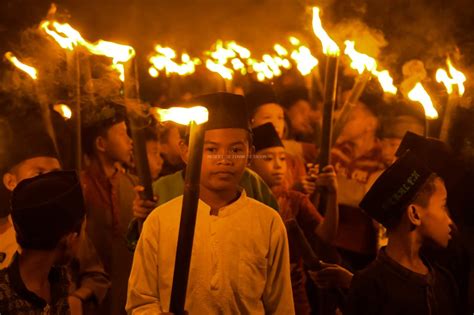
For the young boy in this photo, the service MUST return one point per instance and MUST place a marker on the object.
(47, 213)
(263, 107)
(30, 152)
(410, 201)
(109, 193)
(240, 260)
(270, 163)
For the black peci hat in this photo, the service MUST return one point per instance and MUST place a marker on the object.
(265, 136)
(47, 207)
(395, 188)
(226, 110)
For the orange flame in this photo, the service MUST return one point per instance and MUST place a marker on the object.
(32, 72)
(182, 115)
(163, 60)
(457, 78)
(330, 47)
(419, 94)
(69, 38)
(222, 55)
(305, 61)
(66, 36)
(63, 110)
(361, 62)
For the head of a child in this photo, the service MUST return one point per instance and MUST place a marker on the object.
(298, 110)
(263, 107)
(408, 198)
(28, 156)
(170, 141)
(48, 214)
(104, 133)
(227, 142)
(153, 150)
(269, 160)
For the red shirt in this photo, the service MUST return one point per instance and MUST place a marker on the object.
(296, 205)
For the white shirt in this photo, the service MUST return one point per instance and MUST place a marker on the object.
(239, 265)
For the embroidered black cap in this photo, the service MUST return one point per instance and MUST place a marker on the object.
(395, 188)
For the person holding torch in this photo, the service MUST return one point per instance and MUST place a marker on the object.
(240, 259)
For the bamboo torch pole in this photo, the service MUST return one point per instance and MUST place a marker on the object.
(188, 220)
(137, 121)
(349, 104)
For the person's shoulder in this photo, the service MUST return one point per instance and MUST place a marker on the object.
(169, 178)
(171, 207)
(369, 276)
(260, 209)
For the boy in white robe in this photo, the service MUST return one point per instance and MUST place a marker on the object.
(240, 261)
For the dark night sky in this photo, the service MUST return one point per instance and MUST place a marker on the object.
(424, 29)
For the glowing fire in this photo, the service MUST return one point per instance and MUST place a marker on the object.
(164, 60)
(222, 55)
(69, 38)
(419, 94)
(361, 62)
(330, 47)
(66, 36)
(456, 78)
(63, 110)
(305, 61)
(182, 115)
(32, 72)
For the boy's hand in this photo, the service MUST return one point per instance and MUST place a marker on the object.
(327, 179)
(142, 208)
(332, 276)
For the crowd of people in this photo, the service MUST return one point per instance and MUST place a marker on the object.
(376, 219)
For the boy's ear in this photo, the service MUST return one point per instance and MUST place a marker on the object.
(9, 181)
(100, 144)
(413, 214)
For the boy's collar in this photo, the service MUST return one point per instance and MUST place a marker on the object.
(411, 276)
(235, 205)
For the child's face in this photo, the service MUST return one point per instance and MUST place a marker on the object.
(30, 168)
(389, 148)
(270, 113)
(300, 117)
(117, 144)
(435, 221)
(270, 164)
(224, 159)
(155, 162)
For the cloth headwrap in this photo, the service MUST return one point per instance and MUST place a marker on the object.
(47, 207)
(265, 136)
(395, 188)
(98, 118)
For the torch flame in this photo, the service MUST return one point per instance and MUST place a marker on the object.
(63, 110)
(305, 61)
(182, 115)
(457, 78)
(419, 94)
(330, 47)
(361, 62)
(164, 60)
(32, 72)
(69, 38)
(222, 55)
(66, 36)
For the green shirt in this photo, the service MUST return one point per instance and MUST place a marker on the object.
(171, 186)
